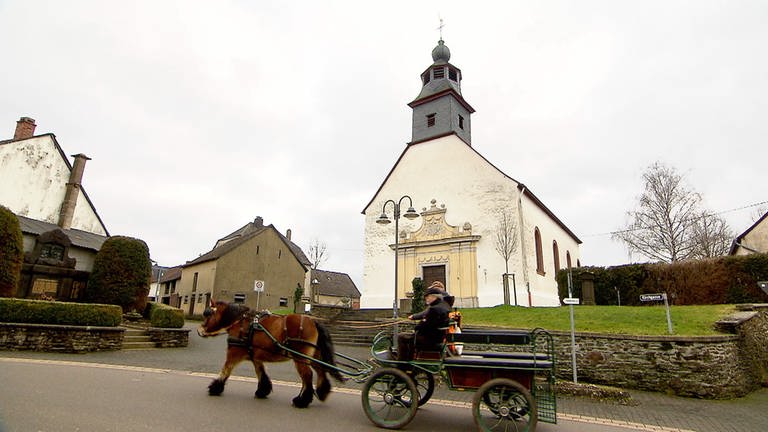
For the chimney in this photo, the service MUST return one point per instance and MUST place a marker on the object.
(25, 128)
(288, 234)
(258, 222)
(73, 190)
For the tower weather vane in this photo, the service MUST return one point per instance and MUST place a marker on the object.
(440, 27)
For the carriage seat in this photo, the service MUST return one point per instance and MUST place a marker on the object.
(512, 355)
(497, 362)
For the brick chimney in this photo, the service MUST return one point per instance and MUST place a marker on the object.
(288, 234)
(258, 222)
(25, 128)
(73, 191)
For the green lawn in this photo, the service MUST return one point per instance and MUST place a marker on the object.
(634, 320)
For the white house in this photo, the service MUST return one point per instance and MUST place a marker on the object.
(461, 198)
(753, 240)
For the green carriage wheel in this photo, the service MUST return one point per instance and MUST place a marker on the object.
(387, 396)
(502, 404)
(425, 385)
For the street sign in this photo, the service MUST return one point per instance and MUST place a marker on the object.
(653, 297)
(571, 301)
(258, 286)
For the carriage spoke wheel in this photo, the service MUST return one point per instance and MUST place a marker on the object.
(387, 397)
(504, 405)
(425, 385)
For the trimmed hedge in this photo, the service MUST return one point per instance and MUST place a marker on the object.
(11, 252)
(121, 274)
(164, 316)
(722, 280)
(61, 313)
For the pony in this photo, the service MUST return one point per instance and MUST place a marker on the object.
(264, 337)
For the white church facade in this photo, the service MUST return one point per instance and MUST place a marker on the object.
(461, 203)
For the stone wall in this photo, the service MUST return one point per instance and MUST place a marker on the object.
(60, 338)
(168, 337)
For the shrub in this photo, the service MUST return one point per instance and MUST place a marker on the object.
(417, 303)
(62, 313)
(731, 279)
(121, 274)
(164, 316)
(11, 252)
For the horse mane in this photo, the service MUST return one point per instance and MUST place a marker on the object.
(233, 312)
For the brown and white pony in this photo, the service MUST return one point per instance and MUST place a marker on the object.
(249, 341)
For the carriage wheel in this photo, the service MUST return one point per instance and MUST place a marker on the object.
(504, 405)
(425, 385)
(387, 397)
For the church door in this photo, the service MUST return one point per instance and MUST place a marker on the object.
(433, 273)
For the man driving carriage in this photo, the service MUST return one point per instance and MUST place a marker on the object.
(431, 327)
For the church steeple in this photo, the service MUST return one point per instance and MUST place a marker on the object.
(440, 109)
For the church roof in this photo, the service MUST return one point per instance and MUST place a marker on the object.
(520, 186)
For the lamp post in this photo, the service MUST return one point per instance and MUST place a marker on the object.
(384, 220)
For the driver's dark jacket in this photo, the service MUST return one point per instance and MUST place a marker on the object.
(430, 331)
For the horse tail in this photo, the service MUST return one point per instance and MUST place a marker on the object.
(327, 352)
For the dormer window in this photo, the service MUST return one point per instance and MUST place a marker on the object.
(439, 73)
(461, 122)
(430, 120)
(452, 75)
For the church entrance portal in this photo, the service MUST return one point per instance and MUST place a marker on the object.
(433, 273)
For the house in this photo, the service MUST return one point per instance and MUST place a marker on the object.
(464, 200)
(331, 288)
(168, 292)
(255, 265)
(62, 230)
(753, 240)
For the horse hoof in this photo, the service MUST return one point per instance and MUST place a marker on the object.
(260, 395)
(298, 402)
(216, 388)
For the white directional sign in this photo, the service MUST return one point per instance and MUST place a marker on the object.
(258, 286)
(571, 301)
(652, 297)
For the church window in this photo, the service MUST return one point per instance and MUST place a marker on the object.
(439, 72)
(461, 122)
(426, 78)
(431, 120)
(556, 255)
(568, 258)
(452, 74)
(539, 252)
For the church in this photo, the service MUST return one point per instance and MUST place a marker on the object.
(466, 211)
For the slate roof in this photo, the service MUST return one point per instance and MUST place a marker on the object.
(335, 284)
(173, 273)
(82, 239)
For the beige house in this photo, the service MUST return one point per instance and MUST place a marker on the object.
(255, 265)
(331, 288)
(753, 240)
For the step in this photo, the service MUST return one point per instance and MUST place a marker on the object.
(137, 339)
(138, 345)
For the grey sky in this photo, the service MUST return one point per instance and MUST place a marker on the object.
(201, 115)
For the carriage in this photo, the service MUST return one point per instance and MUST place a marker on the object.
(511, 372)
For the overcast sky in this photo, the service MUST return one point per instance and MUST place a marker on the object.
(201, 115)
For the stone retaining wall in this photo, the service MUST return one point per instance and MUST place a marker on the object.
(59, 338)
(169, 337)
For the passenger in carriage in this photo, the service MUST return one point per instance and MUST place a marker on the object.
(433, 321)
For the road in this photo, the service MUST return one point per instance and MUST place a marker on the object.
(54, 395)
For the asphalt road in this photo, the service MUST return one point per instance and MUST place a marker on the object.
(53, 396)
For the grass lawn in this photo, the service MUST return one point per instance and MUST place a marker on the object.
(633, 320)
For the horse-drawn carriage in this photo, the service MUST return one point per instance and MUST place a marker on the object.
(511, 372)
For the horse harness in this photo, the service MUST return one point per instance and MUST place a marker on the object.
(246, 341)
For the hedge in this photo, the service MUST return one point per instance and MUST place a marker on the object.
(164, 316)
(11, 252)
(121, 274)
(722, 280)
(63, 313)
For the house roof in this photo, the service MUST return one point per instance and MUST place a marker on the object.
(336, 284)
(69, 166)
(242, 235)
(737, 241)
(520, 186)
(173, 273)
(82, 239)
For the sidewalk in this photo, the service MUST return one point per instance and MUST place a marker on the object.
(652, 411)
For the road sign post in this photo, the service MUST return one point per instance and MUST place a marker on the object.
(660, 297)
(258, 286)
(571, 301)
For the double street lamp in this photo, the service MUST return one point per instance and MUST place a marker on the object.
(384, 220)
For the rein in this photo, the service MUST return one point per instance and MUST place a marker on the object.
(373, 325)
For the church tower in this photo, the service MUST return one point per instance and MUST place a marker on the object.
(439, 109)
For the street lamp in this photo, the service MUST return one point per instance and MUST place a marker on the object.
(384, 220)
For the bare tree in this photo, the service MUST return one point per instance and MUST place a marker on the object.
(506, 245)
(712, 236)
(664, 223)
(758, 212)
(317, 253)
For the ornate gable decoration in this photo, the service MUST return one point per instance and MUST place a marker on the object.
(435, 228)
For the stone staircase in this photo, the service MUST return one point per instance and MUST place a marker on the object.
(137, 338)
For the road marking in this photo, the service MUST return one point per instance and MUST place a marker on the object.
(441, 402)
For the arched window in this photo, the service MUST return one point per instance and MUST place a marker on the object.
(539, 252)
(568, 258)
(556, 255)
